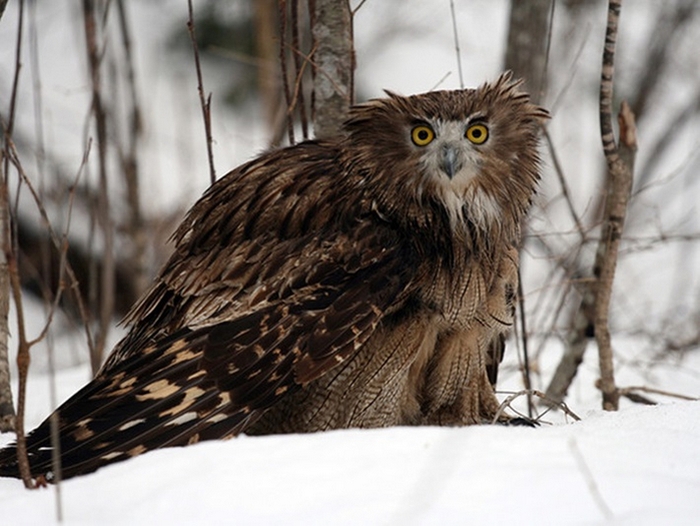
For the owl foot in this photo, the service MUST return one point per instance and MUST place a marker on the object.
(520, 421)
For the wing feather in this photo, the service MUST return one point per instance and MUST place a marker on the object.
(215, 380)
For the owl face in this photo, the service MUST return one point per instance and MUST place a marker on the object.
(471, 152)
(451, 155)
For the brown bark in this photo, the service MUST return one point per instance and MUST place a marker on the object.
(268, 81)
(135, 227)
(106, 283)
(528, 42)
(205, 102)
(7, 410)
(334, 65)
(620, 160)
(8, 421)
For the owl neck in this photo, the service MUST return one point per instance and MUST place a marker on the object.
(436, 234)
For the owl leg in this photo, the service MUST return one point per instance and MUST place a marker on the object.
(458, 391)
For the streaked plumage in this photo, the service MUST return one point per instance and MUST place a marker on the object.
(362, 281)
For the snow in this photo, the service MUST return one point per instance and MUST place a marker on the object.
(638, 466)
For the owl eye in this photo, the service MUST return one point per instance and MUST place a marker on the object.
(477, 133)
(422, 135)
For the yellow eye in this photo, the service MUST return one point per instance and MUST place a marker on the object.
(477, 133)
(422, 135)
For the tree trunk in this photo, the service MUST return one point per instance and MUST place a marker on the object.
(334, 64)
(528, 39)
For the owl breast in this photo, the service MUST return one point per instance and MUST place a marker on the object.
(426, 364)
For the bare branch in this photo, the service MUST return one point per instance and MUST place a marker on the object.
(456, 38)
(204, 103)
(24, 345)
(130, 166)
(564, 186)
(59, 243)
(620, 161)
(625, 391)
(532, 392)
(106, 308)
(283, 68)
(526, 351)
(7, 411)
(23, 359)
(3, 5)
(298, 70)
(8, 421)
(576, 342)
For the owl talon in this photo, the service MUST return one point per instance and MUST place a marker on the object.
(520, 421)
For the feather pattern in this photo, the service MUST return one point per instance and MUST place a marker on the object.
(347, 282)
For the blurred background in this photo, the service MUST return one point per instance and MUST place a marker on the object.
(116, 186)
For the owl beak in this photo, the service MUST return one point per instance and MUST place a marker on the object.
(450, 162)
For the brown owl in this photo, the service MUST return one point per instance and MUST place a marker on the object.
(362, 281)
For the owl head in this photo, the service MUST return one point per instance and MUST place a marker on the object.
(472, 152)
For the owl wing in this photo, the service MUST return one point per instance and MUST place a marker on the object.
(215, 380)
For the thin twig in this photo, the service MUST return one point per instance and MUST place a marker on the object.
(624, 391)
(283, 69)
(524, 339)
(23, 359)
(37, 99)
(204, 103)
(357, 8)
(298, 88)
(10, 252)
(9, 419)
(455, 35)
(564, 186)
(298, 71)
(129, 161)
(59, 243)
(106, 286)
(24, 345)
(532, 392)
(543, 79)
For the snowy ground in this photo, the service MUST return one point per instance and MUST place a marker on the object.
(639, 466)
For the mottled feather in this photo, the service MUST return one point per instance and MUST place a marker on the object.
(349, 282)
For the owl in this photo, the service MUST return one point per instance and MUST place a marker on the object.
(366, 280)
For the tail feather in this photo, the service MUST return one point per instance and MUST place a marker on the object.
(130, 410)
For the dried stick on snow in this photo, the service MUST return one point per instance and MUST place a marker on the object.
(632, 390)
(529, 393)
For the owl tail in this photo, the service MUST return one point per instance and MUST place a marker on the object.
(160, 398)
